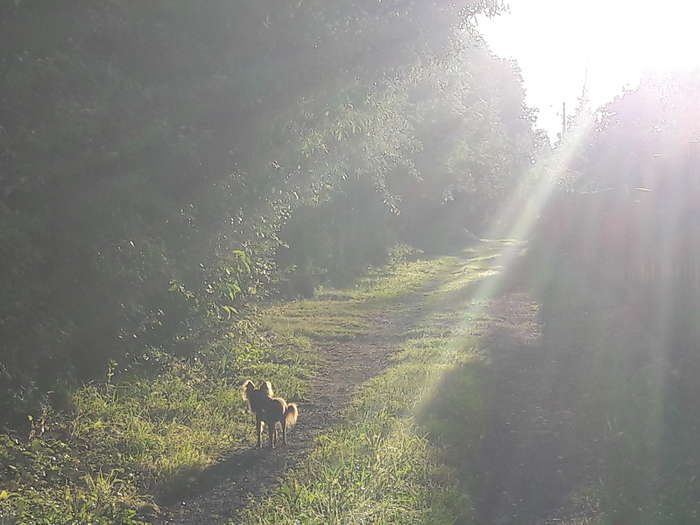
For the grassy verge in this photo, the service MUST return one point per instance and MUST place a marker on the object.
(123, 442)
(386, 463)
(631, 368)
(126, 440)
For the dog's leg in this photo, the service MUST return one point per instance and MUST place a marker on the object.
(271, 434)
(258, 429)
(284, 431)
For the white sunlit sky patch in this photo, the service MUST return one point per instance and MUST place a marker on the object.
(609, 44)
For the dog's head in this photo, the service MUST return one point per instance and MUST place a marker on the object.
(265, 389)
(256, 395)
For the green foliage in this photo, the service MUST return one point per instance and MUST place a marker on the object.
(470, 142)
(152, 154)
(167, 165)
(401, 253)
(141, 434)
(153, 431)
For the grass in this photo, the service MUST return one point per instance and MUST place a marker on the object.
(129, 440)
(385, 464)
(634, 405)
(461, 420)
(124, 443)
(423, 442)
(341, 315)
(364, 473)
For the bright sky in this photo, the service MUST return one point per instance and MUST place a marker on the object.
(617, 41)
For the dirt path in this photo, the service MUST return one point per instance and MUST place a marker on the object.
(526, 460)
(224, 489)
(523, 469)
(529, 461)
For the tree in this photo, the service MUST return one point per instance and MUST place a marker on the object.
(150, 155)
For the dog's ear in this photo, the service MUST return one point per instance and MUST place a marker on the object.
(247, 389)
(266, 387)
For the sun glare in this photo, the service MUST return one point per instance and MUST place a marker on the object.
(612, 45)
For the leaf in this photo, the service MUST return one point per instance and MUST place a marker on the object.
(230, 311)
(4, 494)
(233, 290)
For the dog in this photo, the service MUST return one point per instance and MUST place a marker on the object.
(269, 410)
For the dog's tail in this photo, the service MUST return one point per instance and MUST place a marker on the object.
(247, 389)
(291, 414)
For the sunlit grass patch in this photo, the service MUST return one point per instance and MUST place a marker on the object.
(379, 470)
(401, 279)
(383, 465)
(148, 435)
(341, 315)
(319, 320)
(448, 324)
(467, 276)
(461, 349)
(478, 266)
(175, 425)
(160, 430)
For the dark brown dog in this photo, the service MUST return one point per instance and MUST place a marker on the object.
(269, 410)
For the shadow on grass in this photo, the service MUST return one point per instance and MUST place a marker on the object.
(496, 422)
(193, 483)
(242, 473)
